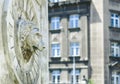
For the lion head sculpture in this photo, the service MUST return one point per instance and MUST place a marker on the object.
(30, 39)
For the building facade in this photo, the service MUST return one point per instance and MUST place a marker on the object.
(84, 41)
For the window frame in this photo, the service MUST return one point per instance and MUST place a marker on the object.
(77, 75)
(55, 50)
(115, 17)
(55, 23)
(74, 21)
(74, 49)
(115, 49)
(56, 74)
(114, 78)
(54, 1)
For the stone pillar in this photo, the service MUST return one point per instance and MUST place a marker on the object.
(3, 65)
(97, 42)
(84, 40)
(65, 44)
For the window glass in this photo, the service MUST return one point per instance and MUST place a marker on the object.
(55, 23)
(74, 21)
(115, 78)
(54, 0)
(74, 49)
(115, 20)
(55, 50)
(56, 76)
(77, 73)
(115, 49)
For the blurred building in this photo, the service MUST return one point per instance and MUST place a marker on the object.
(84, 41)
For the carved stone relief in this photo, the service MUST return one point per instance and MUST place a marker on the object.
(24, 41)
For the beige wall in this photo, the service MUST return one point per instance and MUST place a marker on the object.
(97, 42)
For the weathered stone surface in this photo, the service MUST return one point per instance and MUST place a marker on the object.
(23, 42)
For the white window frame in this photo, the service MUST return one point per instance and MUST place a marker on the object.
(74, 49)
(54, 1)
(56, 74)
(55, 23)
(115, 76)
(115, 19)
(74, 21)
(55, 50)
(77, 74)
(115, 49)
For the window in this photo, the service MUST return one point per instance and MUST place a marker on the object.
(74, 21)
(55, 23)
(115, 78)
(56, 76)
(74, 49)
(77, 73)
(115, 49)
(115, 20)
(54, 0)
(56, 50)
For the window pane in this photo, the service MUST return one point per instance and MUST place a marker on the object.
(74, 49)
(115, 49)
(112, 24)
(53, 79)
(115, 20)
(55, 22)
(56, 76)
(55, 50)
(77, 73)
(73, 21)
(112, 80)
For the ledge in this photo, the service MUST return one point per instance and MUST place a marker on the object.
(115, 29)
(68, 2)
(55, 30)
(77, 58)
(69, 62)
(113, 58)
(55, 59)
(74, 29)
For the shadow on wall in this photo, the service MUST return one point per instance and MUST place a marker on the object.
(94, 16)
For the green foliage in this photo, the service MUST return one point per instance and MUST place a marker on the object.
(90, 81)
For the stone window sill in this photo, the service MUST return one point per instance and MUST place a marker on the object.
(115, 29)
(115, 58)
(77, 58)
(55, 30)
(74, 29)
